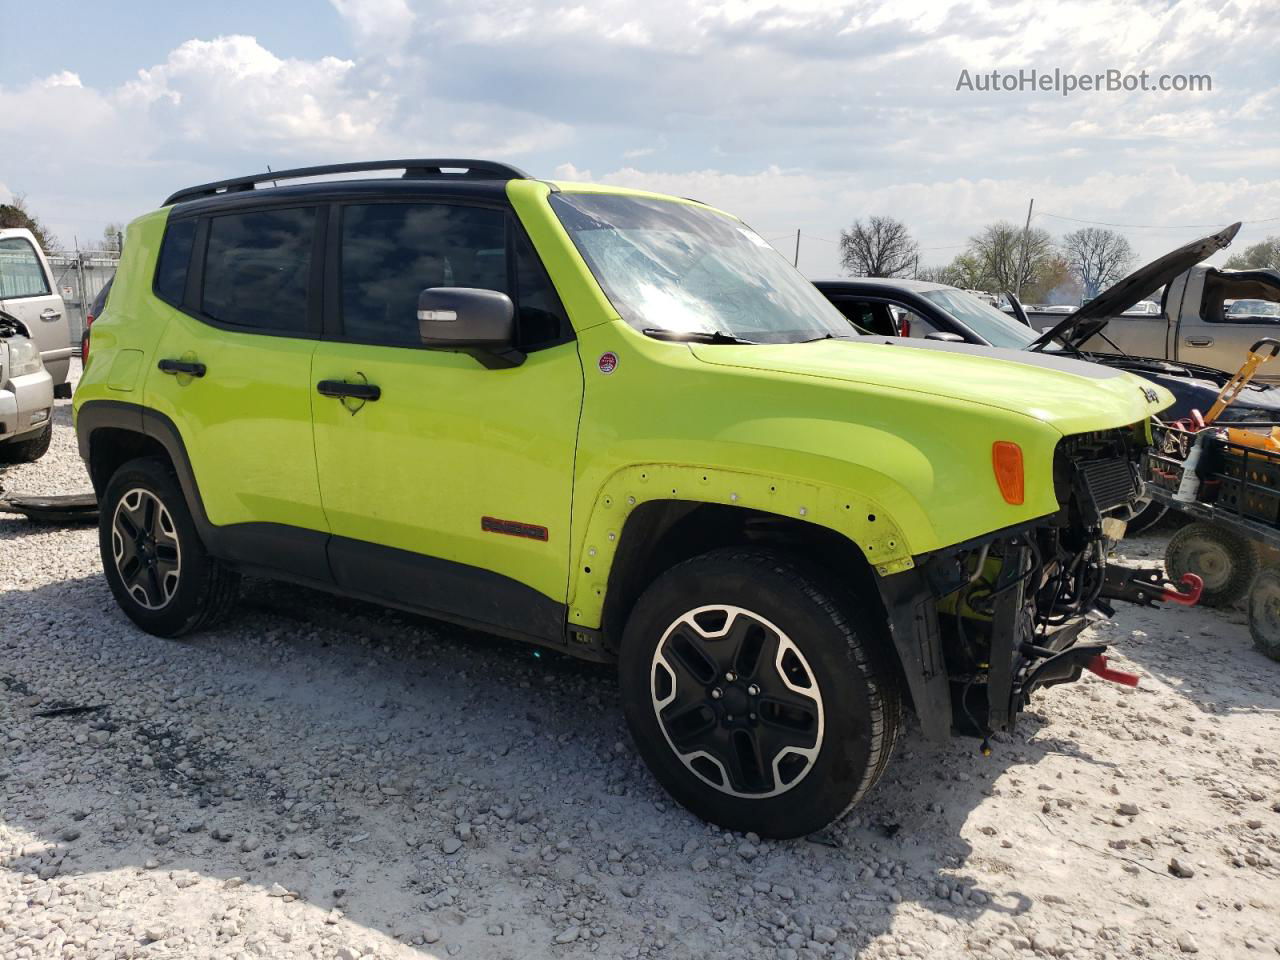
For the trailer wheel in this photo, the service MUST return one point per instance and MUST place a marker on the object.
(1264, 612)
(1225, 560)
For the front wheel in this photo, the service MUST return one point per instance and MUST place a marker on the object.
(753, 696)
(152, 557)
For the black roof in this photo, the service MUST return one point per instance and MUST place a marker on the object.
(489, 177)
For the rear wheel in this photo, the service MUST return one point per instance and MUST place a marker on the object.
(753, 697)
(1226, 561)
(29, 450)
(154, 562)
(1264, 612)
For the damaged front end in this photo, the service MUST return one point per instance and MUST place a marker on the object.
(995, 619)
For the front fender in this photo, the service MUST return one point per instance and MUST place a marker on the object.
(859, 518)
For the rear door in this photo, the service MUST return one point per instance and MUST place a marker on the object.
(27, 292)
(451, 491)
(233, 373)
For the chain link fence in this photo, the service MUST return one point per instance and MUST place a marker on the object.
(79, 277)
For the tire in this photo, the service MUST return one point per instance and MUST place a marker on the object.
(1264, 612)
(815, 756)
(1225, 560)
(29, 450)
(1147, 517)
(144, 517)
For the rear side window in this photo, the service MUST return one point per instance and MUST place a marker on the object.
(174, 259)
(20, 272)
(257, 269)
(391, 252)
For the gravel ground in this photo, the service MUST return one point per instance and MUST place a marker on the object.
(322, 778)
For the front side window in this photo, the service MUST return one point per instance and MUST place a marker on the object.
(20, 272)
(685, 268)
(391, 252)
(257, 269)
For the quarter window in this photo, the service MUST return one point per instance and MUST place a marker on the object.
(20, 272)
(174, 259)
(257, 269)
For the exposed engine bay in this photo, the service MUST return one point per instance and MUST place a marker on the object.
(1024, 597)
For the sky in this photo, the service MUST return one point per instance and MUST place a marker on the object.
(794, 114)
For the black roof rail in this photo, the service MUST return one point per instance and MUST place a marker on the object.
(413, 170)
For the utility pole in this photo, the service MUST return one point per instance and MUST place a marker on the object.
(1022, 258)
(796, 262)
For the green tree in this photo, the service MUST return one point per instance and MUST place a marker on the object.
(113, 238)
(16, 214)
(1260, 256)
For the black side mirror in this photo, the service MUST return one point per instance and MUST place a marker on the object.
(469, 320)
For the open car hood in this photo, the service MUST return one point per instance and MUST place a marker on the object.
(1078, 327)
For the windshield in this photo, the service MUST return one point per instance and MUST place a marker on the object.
(684, 268)
(998, 329)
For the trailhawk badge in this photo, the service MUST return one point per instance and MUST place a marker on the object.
(608, 362)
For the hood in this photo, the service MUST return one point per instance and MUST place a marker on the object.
(1078, 327)
(1070, 395)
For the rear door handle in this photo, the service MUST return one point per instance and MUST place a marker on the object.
(1199, 341)
(190, 367)
(340, 388)
(48, 315)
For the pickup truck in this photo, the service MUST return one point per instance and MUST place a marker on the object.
(27, 292)
(1195, 323)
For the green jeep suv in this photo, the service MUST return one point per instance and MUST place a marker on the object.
(619, 425)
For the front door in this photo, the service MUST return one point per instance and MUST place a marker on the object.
(451, 491)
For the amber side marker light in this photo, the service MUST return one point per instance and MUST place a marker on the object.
(1006, 460)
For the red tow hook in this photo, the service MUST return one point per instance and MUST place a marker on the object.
(1098, 664)
(1193, 584)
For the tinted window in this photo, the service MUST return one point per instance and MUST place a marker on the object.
(257, 268)
(391, 252)
(20, 271)
(174, 259)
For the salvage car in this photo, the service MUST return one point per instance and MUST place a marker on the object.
(619, 425)
(1100, 331)
(27, 292)
(26, 395)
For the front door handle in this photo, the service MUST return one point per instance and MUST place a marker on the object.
(1199, 341)
(174, 367)
(48, 315)
(340, 389)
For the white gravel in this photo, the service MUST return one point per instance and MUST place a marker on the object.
(321, 778)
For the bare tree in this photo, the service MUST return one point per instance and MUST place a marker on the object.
(1099, 257)
(965, 271)
(1260, 256)
(882, 247)
(1010, 260)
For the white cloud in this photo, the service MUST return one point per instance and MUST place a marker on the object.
(805, 113)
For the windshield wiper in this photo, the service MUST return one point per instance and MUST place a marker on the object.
(693, 336)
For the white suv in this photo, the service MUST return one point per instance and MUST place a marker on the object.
(26, 396)
(27, 292)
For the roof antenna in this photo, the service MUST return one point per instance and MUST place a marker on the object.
(273, 183)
